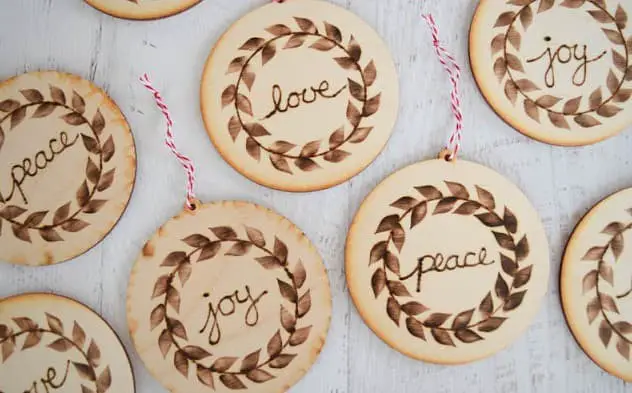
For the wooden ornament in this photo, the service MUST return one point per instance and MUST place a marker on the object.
(557, 71)
(142, 9)
(67, 167)
(54, 344)
(447, 262)
(596, 284)
(300, 95)
(231, 296)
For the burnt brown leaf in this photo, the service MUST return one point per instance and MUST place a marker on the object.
(608, 303)
(44, 110)
(282, 361)
(250, 361)
(501, 288)
(485, 198)
(177, 328)
(209, 251)
(174, 258)
(304, 304)
(157, 316)
(268, 52)
(173, 298)
(360, 134)
(275, 345)
(323, 45)
(224, 233)
(614, 36)
(288, 320)
(392, 262)
(239, 248)
(445, 205)
(345, 62)
(608, 110)
(522, 276)
(418, 214)
(354, 49)
(252, 43)
(491, 324)
(378, 281)
(181, 363)
(78, 335)
(9, 105)
(414, 308)
(378, 251)
(244, 104)
(85, 371)
(617, 246)
(223, 364)
(306, 25)
(526, 17)
(619, 61)
(595, 98)
(572, 106)
(526, 85)
(232, 381)
(458, 190)
(287, 291)
(558, 120)
(24, 323)
(255, 236)
(572, 3)
(600, 15)
(35, 218)
(623, 347)
(92, 171)
(514, 62)
(547, 101)
(104, 381)
(269, 262)
(505, 19)
(393, 310)
(514, 38)
(490, 219)
(160, 287)
(184, 272)
(587, 121)
(32, 95)
(514, 300)
(333, 32)
(234, 127)
(195, 353)
(372, 105)
(336, 155)
(17, 116)
(106, 180)
(522, 249)
(253, 148)
(415, 328)
(606, 272)
(21, 232)
(589, 281)
(504, 240)
(165, 342)
(487, 305)
(61, 345)
(396, 288)
(388, 223)
(205, 376)
(467, 336)
(370, 74)
(74, 225)
(405, 203)
(280, 250)
(73, 118)
(398, 236)
(259, 376)
(299, 275)
(442, 337)
(32, 340)
(532, 110)
(310, 149)
(462, 319)
(353, 114)
(236, 64)
(356, 90)
(605, 333)
(498, 43)
(337, 138)
(108, 149)
(509, 265)
(90, 144)
(623, 327)
(78, 103)
(8, 346)
(593, 308)
(594, 254)
(278, 30)
(500, 68)
(430, 192)
(436, 320)
(55, 324)
(300, 336)
(621, 17)
(256, 129)
(229, 95)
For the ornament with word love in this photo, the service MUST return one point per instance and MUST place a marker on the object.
(67, 167)
(142, 9)
(300, 95)
(52, 344)
(558, 71)
(596, 284)
(447, 261)
(229, 296)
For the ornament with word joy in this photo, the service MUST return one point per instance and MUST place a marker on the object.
(52, 344)
(596, 284)
(230, 296)
(299, 96)
(447, 262)
(67, 167)
(556, 70)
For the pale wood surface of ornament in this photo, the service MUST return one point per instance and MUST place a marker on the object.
(562, 183)
(68, 167)
(52, 343)
(595, 284)
(558, 71)
(300, 96)
(447, 261)
(229, 297)
(142, 9)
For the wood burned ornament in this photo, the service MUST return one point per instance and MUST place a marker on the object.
(142, 9)
(230, 296)
(447, 262)
(67, 167)
(557, 71)
(54, 344)
(596, 284)
(300, 95)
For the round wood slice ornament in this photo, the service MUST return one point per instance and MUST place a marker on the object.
(229, 296)
(596, 284)
(67, 167)
(142, 9)
(300, 95)
(447, 262)
(51, 343)
(557, 71)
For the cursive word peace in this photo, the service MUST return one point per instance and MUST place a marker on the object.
(227, 306)
(31, 167)
(294, 99)
(564, 54)
(49, 381)
(439, 263)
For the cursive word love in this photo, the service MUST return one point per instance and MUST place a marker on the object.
(439, 263)
(564, 54)
(295, 99)
(32, 167)
(49, 382)
(227, 306)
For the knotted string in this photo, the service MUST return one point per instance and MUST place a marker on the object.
(454, 72)
(185, 161)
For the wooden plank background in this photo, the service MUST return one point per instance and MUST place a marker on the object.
(562, 183)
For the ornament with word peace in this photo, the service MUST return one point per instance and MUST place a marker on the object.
(67, 167)
(447, 262)
(229, 296)
(596, 284)
(142, 9)
(52, 344)
(300, 95)
(557, 71)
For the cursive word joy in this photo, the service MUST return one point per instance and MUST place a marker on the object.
(50, 382)
(439, 263)
(294, 99)
(227, 306)
(32, 167)
(565, 54)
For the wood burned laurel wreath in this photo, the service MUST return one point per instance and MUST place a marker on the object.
(69, 216)
(95, 378)
(509, 288)
(602, 302)
(251, 367)
(282, 153)
(509, 68)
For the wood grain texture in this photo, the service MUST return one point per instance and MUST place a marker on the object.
(562, 183)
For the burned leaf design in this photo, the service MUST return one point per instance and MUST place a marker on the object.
(252, 43)
(491, 324)
(606, 273)
(442, 337)
(44, 110)
(500, 68)
(287, 291)
(17, 116)
(268, 52)
(32, 95)
(378, 281)
(232, 381)
(282, 361)
(181, 363)
(587, 121)
(223, 364)
(505, 19)
(279, 30)
(614, 36)
(306, 25)
(487, 305)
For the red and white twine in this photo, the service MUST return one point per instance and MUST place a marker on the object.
(454, 72)
(186, 162)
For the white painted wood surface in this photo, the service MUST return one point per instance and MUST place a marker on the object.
(562, 183)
